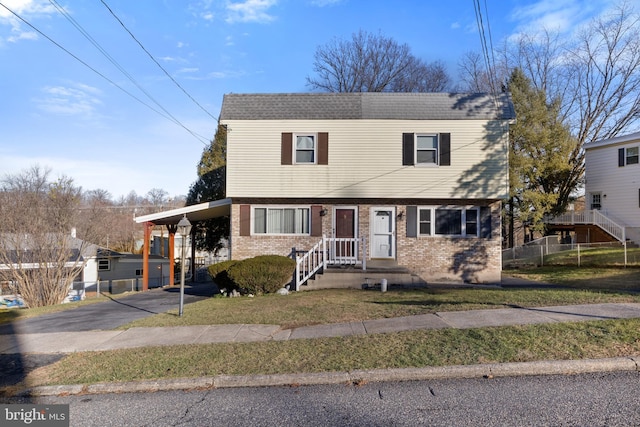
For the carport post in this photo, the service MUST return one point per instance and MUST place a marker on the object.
(145, 255)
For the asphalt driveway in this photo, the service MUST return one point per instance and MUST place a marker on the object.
(111, 313)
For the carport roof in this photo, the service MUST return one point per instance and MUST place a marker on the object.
(194, 213)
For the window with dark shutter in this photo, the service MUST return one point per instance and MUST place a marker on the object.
(426, 149)
(286, 149)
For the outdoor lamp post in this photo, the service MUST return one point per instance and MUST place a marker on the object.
(184, 228)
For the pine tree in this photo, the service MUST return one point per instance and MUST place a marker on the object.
(541, 155)
(211, 185)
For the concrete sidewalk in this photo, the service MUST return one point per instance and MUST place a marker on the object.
(70, 342)
(51, 346)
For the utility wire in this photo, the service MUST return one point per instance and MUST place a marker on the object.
(483, 43)
(156, 62)
(199, 137)
(86, 34)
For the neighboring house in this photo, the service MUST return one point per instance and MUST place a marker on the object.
(160, 246)
(415, 178)
(612, 194)
(119, 272)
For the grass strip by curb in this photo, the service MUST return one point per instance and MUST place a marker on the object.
(558, 341)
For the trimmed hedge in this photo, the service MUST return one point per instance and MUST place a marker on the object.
(262, 274)
(220, 274)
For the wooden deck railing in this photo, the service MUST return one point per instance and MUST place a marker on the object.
(593, 217)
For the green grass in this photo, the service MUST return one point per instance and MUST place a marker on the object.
(347, 305)
(595, 257)
(585, 278)
(397, 350)
(595, 339)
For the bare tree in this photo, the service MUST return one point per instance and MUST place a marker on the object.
(39, 251)
(594, 77)
(473, 74)
(373, 63)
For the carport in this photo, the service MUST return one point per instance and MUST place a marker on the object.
(170, 218)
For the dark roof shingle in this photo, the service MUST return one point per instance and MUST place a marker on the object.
(366, 105)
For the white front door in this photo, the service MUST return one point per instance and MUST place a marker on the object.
(383, 232)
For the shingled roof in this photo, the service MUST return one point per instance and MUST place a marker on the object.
(366, 105)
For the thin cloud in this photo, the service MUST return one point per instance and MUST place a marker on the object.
(557, 15)
(27, 9)
(76, 100)
(323, 3)
(250, 11)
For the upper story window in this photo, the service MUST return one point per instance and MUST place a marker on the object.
(281, 220)
(305, 148)
(452, 221)
(632, 155)
(426, 149)
(627, 156)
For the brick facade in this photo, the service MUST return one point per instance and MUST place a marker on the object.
(433, 258)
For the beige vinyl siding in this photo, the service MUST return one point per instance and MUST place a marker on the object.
(620, 184)
(365, 160)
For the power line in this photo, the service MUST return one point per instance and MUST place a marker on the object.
(155, 61)
(483, 44)
(86, 34)
(202, 139)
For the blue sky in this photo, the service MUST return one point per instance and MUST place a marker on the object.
(57, 113)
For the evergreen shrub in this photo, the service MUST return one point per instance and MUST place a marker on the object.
(220, 274)
(262, 274)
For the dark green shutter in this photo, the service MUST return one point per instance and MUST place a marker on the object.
(407, 149)
(621, 157)
(485, 222)
(412, 221)
(445, 149)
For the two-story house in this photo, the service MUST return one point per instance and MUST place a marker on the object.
(612, 194)
(415, 178)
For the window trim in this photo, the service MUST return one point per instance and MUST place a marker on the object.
(267, 207)
(635, 157)
(463, 221)
(436, 150)
(295, 148)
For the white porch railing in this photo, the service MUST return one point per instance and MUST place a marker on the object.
(594, 217)
(329, 251)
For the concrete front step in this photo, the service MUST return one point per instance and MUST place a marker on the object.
(352, 277)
